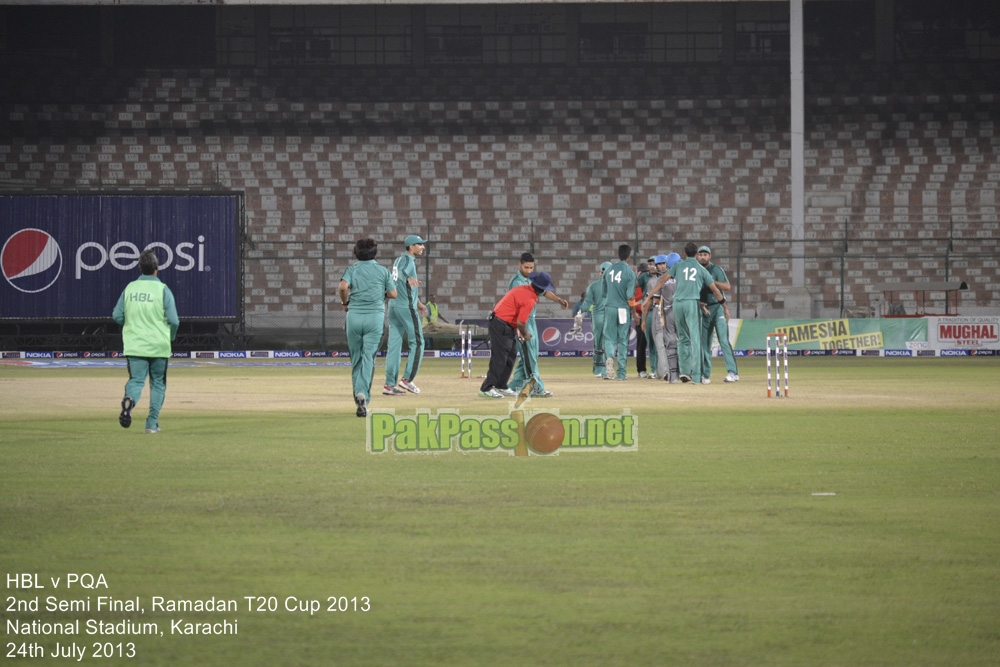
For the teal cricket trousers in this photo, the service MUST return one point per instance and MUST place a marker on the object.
(364, 333)
(597, 328)
(521, 376)
(715, 323)
(688, 318)
(403, 322)
(156, 369)
(616, 338)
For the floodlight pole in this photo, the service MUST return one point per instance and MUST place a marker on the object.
(322, 289)
(796, 58)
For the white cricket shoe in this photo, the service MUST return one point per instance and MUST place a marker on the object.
(409, 386)
(732, 377)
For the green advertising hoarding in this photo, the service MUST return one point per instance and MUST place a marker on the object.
(846, 334)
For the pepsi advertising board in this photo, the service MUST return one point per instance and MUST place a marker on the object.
(71, 256)
(557, 335)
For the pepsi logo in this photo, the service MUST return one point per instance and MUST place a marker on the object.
(551, 336)
(31, 260)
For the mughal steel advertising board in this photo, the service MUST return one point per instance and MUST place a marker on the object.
(70, 256)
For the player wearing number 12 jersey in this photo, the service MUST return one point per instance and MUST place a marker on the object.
(691, 277)
(620, 282)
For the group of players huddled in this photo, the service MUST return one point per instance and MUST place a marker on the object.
(676, 305)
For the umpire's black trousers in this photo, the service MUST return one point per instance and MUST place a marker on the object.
(503, 354)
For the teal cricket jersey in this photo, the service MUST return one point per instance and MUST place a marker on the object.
(620, 283)
(407, 297)
(691, 277)
(719, 276)
(369, 282)
(596, 296)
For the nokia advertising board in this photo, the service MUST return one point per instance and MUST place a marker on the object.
(70, 256)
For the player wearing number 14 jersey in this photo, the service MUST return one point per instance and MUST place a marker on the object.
(691, 277)
(620, 282)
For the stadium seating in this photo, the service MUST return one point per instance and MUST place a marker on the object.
(569, 165)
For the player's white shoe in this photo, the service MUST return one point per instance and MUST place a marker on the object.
(706, 381)
(389, 390)
(507, 392)
(732, 377)
(409, 386)
(492, 392)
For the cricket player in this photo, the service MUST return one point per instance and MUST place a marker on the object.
(619, 280)
(656, 269)
(716, 320)
(596, 296)
(405, 314)
(658, 306)
(691, 277)
(363, 290)
(148, 316)
(642, 279)
(525, 267)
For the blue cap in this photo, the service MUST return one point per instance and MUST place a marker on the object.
(541, 280)
(672, 259)
(604, 267)
(660, 259)
(412, 239)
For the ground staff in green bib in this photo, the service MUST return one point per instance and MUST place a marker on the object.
(148, 316)
(691, 277)
(716, 321)
(596, 296)
(619, 280)
(363, 290)
(404, 321)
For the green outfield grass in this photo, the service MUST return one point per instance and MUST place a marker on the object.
(707, 546)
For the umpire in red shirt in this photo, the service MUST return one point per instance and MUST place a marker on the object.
(507, 328)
